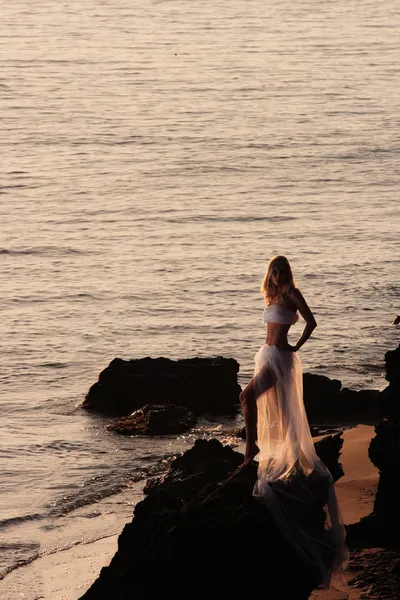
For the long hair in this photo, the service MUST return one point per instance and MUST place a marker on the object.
(274, 293)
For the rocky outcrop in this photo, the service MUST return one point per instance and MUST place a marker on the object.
(209, 385)
(200, 533)
(375, 574)
(392, 361)
(384, 453)
(389, 398)
(203, 385)
(325, 400)
(154, 419)
(328, 449)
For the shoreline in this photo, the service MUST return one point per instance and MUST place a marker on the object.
(62, 575)
(90, 534)
(68, 573)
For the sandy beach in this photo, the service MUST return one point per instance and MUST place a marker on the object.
(356, 489)
(67, 574)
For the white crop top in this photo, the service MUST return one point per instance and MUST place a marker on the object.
(276, 313)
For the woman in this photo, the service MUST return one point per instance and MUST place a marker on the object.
(292, 481)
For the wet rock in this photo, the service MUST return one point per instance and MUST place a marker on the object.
(375, 573)
(204, 385)
(237, 432)
(155, 419)
(200, 532)
(396, 320)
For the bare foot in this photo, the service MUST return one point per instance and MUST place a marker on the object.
(251, 451)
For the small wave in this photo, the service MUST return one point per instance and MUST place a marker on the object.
(63, 445)
(33, 551)
(21, 553)
(11, 187)
(368, 367)
(62, 298)
(55, 445)
(98, 488)
(392, 288)
(42, 250)
(4, 523)
(248, 219)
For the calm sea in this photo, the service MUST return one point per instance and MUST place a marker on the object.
(155, 155)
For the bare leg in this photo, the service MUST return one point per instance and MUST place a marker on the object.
(248, 400)
(249, 408)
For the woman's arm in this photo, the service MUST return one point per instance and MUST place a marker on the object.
(297, 297)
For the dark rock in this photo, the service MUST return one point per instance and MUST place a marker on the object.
(317, 385)
(396, 320)
(389, 398)
(384, 453)
(360, 405)
(324, 429)
(392, 361)
(325, 399)
(328, 449)
(240, 433)
(375, 573)
(320, 396)
(389, 402)
(209, 385)
(155, 420)
(396, 570)
(204, 385)
(200, 532)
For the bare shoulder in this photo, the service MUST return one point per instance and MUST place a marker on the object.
(298, 299)
(296, 296)
(290, 300)
(295, 293)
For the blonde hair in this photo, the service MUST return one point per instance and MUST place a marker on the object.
(273, 293)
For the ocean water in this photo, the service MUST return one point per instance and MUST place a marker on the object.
(155, 155)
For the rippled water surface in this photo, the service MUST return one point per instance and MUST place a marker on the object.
(154, 156)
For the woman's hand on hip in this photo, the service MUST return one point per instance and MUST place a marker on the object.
(287, 347)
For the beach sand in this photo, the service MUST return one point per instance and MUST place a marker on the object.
(67, 574)
(355, 492)
(64, 575)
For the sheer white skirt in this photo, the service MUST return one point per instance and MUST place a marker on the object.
(292, 481)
